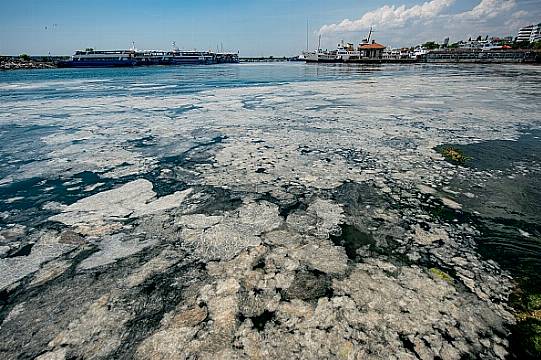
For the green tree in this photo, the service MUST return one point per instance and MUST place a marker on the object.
(537, 45)
(431, 45)
(521, 45)
(24, 57)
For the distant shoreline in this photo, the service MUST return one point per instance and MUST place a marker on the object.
(12, 63)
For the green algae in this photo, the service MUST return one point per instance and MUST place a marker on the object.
(454, 155)
(533, 302)
(527, 331)
(441, 275)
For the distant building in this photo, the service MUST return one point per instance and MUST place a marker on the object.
(486, 45)
(524, 33)
(536, 33)
(446, 42)
(529, 33)
(372, 51)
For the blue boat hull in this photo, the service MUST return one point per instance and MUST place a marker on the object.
(94, 64)
(191, 62)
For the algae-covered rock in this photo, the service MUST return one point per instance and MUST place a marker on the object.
(454, 155)
(442, 275)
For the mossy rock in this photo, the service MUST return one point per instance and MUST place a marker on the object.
(454, 155)
(442, 275)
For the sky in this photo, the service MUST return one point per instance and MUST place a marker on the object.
(252, 27)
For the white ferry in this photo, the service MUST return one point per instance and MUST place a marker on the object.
(100, 58)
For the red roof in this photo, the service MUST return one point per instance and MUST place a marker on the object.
(372, 46)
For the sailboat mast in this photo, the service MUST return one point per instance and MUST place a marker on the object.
(307, 45)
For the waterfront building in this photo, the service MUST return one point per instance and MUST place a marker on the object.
(492, 44)
(535, 35)
(529, 33)
(445, 42)
(371, 51)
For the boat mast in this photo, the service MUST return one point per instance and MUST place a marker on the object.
(319, 43)
(307, 35)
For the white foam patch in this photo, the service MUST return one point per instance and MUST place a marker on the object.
(375, 115)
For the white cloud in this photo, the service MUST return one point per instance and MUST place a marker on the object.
(390, 16)
(488, 9)
(433, 20)
(517, 20)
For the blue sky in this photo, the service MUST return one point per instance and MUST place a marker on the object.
(255, 27)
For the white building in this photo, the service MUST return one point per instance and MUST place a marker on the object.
(529, 33)
(536, 33)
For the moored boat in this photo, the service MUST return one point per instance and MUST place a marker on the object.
(100, 58)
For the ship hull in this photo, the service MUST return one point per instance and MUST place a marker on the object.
(180, 61)
(96, 63)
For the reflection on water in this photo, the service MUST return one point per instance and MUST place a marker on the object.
(508, 203)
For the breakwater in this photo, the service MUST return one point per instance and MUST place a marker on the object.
(16, 63)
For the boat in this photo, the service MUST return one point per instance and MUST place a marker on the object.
(367, 51)
(346, 52)
(152, 57)
(419, 52)
(319, 56)
(100, 58)
(133, 57)
(182, 57)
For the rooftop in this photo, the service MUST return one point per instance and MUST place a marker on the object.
(372, 46)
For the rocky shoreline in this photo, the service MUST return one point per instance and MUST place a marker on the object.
(19, 64)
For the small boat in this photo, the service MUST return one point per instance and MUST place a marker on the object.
(319, 56)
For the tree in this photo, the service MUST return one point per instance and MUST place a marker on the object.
(24, 57)
(431, 45)
(537, 45)
(521, 45)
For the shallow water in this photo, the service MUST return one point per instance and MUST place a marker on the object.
(363, 138)
(26, 119)
(509, 204)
